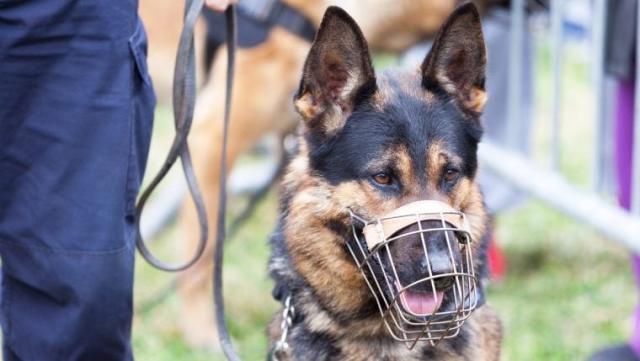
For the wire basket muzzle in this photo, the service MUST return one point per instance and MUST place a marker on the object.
(434, 302)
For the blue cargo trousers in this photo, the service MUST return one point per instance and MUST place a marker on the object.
(76, 110)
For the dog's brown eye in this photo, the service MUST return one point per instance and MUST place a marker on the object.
(450, 175)
(382, 178)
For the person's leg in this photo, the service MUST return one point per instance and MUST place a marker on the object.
(75, 124)
(623, 159)
(623, 133)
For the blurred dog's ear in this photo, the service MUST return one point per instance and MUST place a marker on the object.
(337, 74)
(457, 60)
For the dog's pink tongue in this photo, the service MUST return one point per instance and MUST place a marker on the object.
(421, 303)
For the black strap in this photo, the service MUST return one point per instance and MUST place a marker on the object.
(218, 254)
(184, 94)
(293, 20)
(184, 91)
(277, 13)
(148, 304)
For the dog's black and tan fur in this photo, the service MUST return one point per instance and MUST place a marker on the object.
(373, 144)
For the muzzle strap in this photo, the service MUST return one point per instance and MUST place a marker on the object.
(377, 232)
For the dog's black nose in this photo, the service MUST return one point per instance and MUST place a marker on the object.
(426, 256)
(439, 268)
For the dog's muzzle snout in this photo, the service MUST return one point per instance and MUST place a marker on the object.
(418, 263)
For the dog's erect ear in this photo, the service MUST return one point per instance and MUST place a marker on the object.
(337, 73)
(456, 62)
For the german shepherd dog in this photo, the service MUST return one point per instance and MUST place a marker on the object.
(371, 144)
(261, 104)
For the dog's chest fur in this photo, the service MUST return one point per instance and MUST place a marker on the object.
(307, 345)
(310, 345)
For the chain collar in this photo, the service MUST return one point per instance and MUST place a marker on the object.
(281, 347)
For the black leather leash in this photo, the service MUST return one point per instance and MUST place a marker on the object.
(184, 94)
(218, 247)
(184, 97)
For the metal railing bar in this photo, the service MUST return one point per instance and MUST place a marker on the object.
(588, 208)
(608, 167)
(516, 44)
(557, 12)
(600, 97)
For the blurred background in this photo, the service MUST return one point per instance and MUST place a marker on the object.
(561, 278)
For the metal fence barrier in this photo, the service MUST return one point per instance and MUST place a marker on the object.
(592, 206)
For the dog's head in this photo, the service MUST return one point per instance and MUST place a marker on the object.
(371, 144)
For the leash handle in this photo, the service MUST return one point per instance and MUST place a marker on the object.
(184, 93)
(218, 254)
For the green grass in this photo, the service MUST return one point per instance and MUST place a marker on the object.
(567, 290)
(247, 290)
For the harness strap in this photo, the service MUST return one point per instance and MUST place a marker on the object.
(277, 13)
(293, 20)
